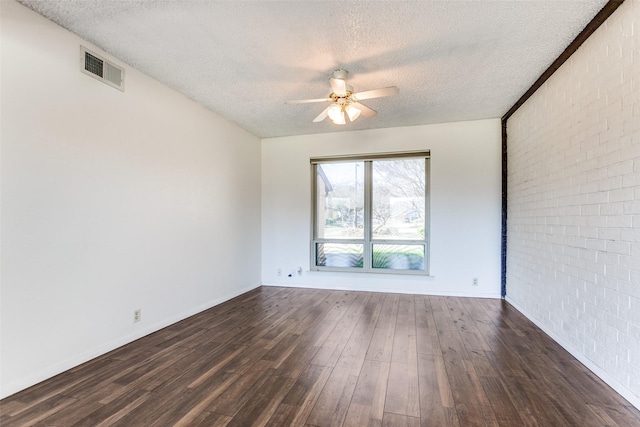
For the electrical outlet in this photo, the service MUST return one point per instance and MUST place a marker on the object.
(279, 272)
(137, 315)
(299, 271)
(475, 281)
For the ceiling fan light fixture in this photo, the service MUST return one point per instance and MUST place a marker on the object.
(344, 102)
(341, 120)
(352, 112)
(336, 114)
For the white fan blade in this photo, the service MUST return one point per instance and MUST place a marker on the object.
(364, 110)
(338, 86)
(307, 101)
(322, 115)
(376, 93)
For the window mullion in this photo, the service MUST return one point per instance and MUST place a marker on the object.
(346, 241)
(314, 216)
(368, 248)
(427, 214)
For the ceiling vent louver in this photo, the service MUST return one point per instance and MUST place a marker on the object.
(101, 69)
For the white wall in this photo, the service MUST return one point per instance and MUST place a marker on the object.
(111, 201)
(574, 204)
(465, 207)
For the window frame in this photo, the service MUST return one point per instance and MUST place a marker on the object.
(368, 241)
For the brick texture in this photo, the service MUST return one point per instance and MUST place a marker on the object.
(573, 258)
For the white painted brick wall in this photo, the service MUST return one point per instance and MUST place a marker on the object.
(573, 260)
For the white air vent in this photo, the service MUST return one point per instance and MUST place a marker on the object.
(101, 69)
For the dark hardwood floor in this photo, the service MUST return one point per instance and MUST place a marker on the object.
(303, 357)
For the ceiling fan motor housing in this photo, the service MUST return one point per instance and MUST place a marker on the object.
(340, 74)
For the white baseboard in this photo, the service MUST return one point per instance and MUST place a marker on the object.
(67, 364)
(621, 389)
(387, 290)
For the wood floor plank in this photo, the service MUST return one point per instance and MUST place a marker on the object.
(481, 364)
(466, 327)
(312, 313)
(615, 415)
(441, 315)
(357, 345)
(332, 349)
(502, 408)
(395, 420)
(402, 393)
(297, 404)
(464, 382)
(530, 402)
(38, 413)
(259, 410)
(167, 401)
(229, 355)
(298, 359)
(208, 419)
(504, 356)
(308, 357)
(108, 414)
(436, 400)
(70, 414)
(334, 400)
(311, 396)
(587, 383)
(209, 392)
(403, 396)
(471, 415)
(238, 393)
(34, 396)
(367, 404)
(426, 330)
(381, 344)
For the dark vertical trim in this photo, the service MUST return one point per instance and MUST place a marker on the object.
(503, 247)
(591, 27)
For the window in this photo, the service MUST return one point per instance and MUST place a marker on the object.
(370, 213)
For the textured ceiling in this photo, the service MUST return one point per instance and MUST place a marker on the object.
(452, 60)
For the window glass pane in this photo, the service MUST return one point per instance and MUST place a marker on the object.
(340, 200)
(398, 257)
(339, 255)
(398, 199)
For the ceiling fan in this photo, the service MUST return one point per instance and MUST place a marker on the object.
(345, 104)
